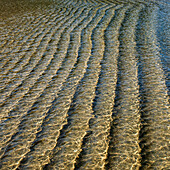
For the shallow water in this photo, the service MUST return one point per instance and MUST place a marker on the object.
(84, 84)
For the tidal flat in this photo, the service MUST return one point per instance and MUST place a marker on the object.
(84, 84)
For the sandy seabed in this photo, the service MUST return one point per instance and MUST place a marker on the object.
(84, 84)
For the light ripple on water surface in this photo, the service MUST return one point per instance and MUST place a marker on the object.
(84, 84)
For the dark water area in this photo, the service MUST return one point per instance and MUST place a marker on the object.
(84, 84)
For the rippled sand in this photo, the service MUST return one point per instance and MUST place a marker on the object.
(84, 84)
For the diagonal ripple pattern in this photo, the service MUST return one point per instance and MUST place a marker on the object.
(84, 85)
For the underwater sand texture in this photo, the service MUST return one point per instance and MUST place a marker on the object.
(84, 84)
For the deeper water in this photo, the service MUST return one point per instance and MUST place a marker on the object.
(84, 84)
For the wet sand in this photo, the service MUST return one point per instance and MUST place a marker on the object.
(84, 84)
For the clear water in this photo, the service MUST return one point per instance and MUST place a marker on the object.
(84, 84)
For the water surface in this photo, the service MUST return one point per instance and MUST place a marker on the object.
(84, 84)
